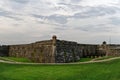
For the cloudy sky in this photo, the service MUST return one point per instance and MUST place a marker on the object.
(83, 21)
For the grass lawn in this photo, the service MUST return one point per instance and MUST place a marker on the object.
(102, 58)
(94, 71)
(14, 59)
(85, 59)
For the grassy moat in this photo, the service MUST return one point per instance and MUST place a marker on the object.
(92, 71)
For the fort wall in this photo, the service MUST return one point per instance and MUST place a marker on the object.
(66, 51)
(59, 51)
(113, 50)
(37, 52)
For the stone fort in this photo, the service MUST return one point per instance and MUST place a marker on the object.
(59, 51)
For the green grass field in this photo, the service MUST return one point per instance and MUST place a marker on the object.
(103, 58)
(85, 59)
(14, 59)
(95, 71)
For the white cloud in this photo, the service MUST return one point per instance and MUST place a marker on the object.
(86, 21)
(99, 2)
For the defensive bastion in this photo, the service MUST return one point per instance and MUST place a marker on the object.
(58, 51)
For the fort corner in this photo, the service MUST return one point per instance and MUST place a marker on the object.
(58, 51)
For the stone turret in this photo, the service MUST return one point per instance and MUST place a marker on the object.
(105, 47)
(54, 38)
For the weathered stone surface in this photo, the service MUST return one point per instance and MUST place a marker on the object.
(59, 51)
(37, 52)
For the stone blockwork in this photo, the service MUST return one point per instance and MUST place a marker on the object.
(113, 50)
(110, 49)
(58, 51)
(37, 52)
(66, 51)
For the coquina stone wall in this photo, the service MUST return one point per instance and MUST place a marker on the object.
(113, 50)
(58, 51)
(66, 51)
(38, 52)
(88, 50)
